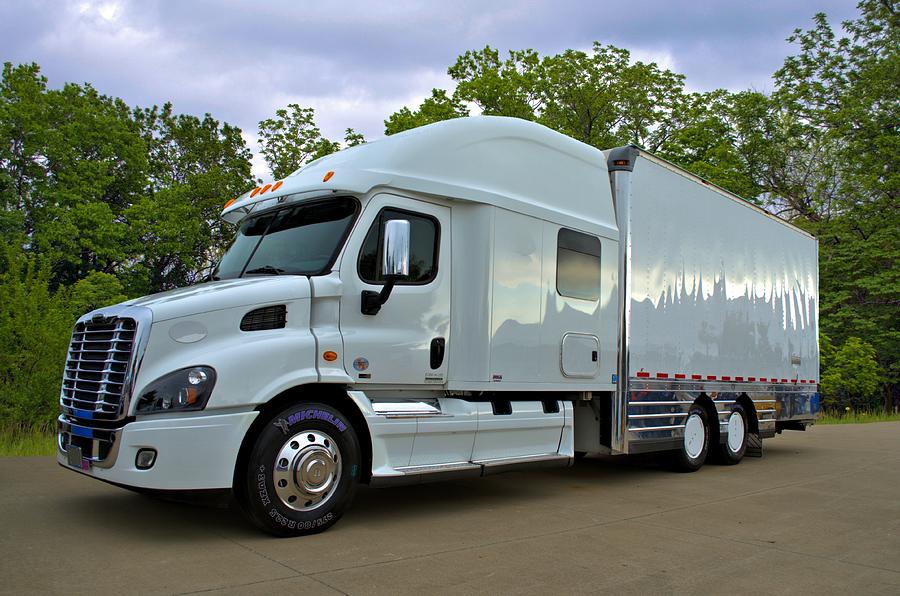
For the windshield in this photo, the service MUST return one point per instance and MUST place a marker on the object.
(297, 240)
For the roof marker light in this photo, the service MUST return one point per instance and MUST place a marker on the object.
(265, 188)
(327, 176)
(229, 203)
(255, 192)
(277, 185)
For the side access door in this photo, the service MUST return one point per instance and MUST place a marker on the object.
(406, 342)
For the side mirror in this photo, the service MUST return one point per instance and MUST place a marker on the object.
(394, 264)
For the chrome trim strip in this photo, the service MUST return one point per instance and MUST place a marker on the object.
(641, 429)
(667, 415)
(505, 461)
(660, 403)
(434, 468)
(621, 187)
(407, 408)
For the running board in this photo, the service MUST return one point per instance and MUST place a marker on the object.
(452, 471)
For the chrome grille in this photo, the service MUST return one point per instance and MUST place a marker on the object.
(96, 368)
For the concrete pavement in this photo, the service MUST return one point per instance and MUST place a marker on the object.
(819, 513)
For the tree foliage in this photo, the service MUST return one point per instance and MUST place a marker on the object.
(436, 108)
(292, 139)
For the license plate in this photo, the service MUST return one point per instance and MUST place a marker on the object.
(73, 455)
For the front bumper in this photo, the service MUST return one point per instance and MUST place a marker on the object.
(193, 453)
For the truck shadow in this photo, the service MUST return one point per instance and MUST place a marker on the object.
(164, 520)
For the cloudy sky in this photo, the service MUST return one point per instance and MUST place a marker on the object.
(357, 62)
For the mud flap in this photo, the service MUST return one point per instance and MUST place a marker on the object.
(754, 446)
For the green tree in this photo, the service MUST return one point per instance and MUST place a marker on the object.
(840, 94)
(291, 139)
(196, 165)
(499, 87)
(353, 138)
(35, 323)
(851, 377)
(436, 108)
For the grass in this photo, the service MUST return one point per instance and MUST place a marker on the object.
(18, 441)
(838, 417)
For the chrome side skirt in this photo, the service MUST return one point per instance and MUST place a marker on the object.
(450, 471)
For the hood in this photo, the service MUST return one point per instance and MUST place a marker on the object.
(220, 295)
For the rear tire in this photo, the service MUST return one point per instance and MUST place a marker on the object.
(695, 445)
(732, 450)
(302, 471)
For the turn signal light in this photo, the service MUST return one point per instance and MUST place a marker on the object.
(327, 176)
(329, 356)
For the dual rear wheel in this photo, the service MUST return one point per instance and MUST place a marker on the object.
(695, 448)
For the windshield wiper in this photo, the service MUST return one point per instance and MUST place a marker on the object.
(266, 270)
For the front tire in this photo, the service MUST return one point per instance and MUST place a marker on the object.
(695, 444)
(302, 471)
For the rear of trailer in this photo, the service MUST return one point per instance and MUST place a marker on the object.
(718, 306)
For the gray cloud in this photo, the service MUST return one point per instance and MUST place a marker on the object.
(356, 62)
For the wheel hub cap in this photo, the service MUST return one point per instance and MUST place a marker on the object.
(694, 436)
(307, 470)
(735, 432)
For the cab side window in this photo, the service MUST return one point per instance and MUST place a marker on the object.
(423, 248)
(578, 265)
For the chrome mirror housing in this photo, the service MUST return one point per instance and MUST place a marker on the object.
(395, 256)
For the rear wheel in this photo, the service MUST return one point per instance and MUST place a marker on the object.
(695, 443)
(302, 471)
(732, 450)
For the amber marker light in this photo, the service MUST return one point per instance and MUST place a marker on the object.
(329, 356)
(327, 176)
(229, 203)
(277, 185)
(255, 192)
(265, 188)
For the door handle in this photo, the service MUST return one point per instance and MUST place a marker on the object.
(437, 352)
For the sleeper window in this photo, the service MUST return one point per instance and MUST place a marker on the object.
(423, 248)
(578, 265)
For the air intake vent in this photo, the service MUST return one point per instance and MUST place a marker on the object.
(269, 317)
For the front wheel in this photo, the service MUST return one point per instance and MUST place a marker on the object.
(302, 471)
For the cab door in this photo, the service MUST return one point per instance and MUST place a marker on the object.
(406, 342)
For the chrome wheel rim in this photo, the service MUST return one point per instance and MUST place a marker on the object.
(307, 470)
(735, 432)
(694, 436)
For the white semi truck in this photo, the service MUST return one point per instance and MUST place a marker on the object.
(473, 296)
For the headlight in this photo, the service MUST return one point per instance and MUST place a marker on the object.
(181, 391)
